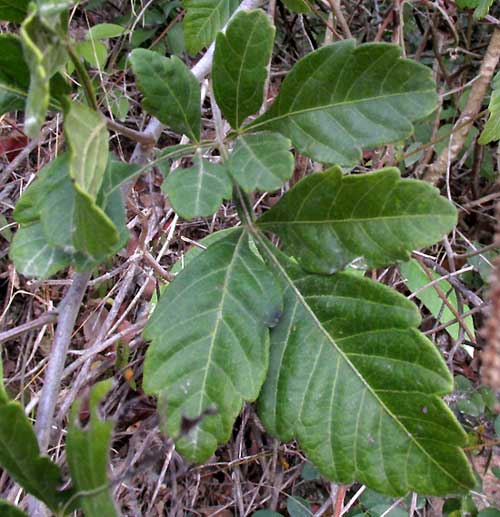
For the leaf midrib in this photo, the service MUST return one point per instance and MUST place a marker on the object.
(308, 309)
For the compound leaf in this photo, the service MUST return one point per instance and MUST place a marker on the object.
(491, 129)
(34, 256)
(261, 161)
(359, 387)
(198, 190)
(210, 343)
(327, 221)
(363, 97)
(171, 92)
(204, 19)
(88, 451)
(240, 65)
(20, 455)
(87, 138)
(13, 10)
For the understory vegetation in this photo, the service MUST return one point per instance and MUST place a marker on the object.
(250, 258)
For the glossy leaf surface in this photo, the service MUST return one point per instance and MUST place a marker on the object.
(358, 386)
(204, 19)
(327, 220)
(88, 452)
(209, 343)
(363, 97)
(198, 190)
(240, 65)
(261, 161)
(171, 92)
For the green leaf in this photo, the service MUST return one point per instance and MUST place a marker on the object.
(51, 10)
(261, 161)
(489, 512)
(239, 70)
(171, 92)
(7, 510)
(13, 10)
(105, 31)
(491, 131)
(482, 9)
(20, 456)
(198, 190)
(87, 138)
(210, 343)
(266, 513)
(416, 279)
(297, 6)
(34, 256)
(328, 220)
(298, 507)
(363, 97)
(44, 55)
(204, 19)
(94, 52)
(358, 386)
(87, 452)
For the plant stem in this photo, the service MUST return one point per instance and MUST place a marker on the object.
(68, 311)
(83, 75)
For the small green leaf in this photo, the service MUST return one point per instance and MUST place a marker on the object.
(489, 512)
(204, 19)
(298, 507)
(497, 425)
(198, 190)
(363, 97)
(51, 10)
(359, 387)
(210, 343)
(416, 279)
(266, 513)
(44, 55)
(87, 452)
(20, 456)
(13, 10)
(327, 221)
(297, 6)
(87, 138)
(171, 92)
(309, 472)
(7, 510)
(261, 161)
(491, 131)
(94, 52)
(33, 256)
(105, 31)
(482, 9)
(240, 65)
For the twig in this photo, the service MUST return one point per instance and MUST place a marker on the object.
(68, 311)
(476, 96)
(44, 319)
(337, 10)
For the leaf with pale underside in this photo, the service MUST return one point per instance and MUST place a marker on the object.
(171, 92)
(204, 19)
(34, 256)
(341, 99)
(44, 55)
(491, 131)
(240, 65)
(328, 220)
(359, 387)
(88, 452)
(87, 138)
(209, 343)
(20, 455)
(198, 190)
(261, 161)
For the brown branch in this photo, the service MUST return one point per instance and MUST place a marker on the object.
(474, 102)
(44, 319)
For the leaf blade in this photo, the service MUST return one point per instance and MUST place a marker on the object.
(239, 70)
(329, 220)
